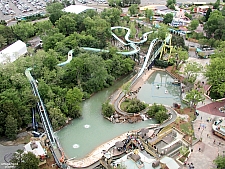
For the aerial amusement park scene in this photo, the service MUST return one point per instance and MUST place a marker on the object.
(112, 84)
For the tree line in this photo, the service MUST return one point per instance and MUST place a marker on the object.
(61, 88)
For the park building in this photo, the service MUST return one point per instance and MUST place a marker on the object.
(78, 9)
(13, 52)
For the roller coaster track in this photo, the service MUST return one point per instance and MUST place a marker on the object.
(133, 44)
(55, 146)
(44, 118)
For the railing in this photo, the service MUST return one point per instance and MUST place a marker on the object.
(158, 138)
(44, 118)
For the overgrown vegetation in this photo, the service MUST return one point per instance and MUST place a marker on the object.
(107, 109)
(158, 112)
(133, 105)
(61, 88)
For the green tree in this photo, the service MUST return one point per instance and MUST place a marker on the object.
(67, 24)
(208, 14)
(111, 15)
(220, 162)
(73, 100)
(98, 28)
(58, 119)
(49, 42)
(194, 97)
(133, 9)
(170, 2)
(180, 55)
(161, 116)
(55, 11)
(149, 14)
(214, 27)
(43, 27)
(194, 24)
(162, 32)
(188, 15)
(8, 34)
(11, 127)
(191, 71)
(3, 41)
(25, 160)
(159, 112)
(184, 150)
(23, 30)
(216, 5)
(215, 72)
(168, 18)
(107, 109)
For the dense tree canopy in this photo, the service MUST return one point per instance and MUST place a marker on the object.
(215, 72)
(194, 24)
(159, 112)
(61, 88)
(24, 160)
(220, 162)
(168, 18)
(215, 26)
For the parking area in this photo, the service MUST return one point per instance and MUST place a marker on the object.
(92, 2)
(11, 9)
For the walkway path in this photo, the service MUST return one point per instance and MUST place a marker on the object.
(209, 150)
(6, 153)
(95, 155)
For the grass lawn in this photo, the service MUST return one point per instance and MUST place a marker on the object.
(124, 105)
(185, 127)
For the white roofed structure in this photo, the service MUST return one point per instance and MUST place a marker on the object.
(35, 148)
(13, 52)
(77, 9)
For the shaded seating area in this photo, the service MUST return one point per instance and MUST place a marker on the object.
(119, 145)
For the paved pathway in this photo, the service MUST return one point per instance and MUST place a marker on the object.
(6, 152)
(95, 155)
(209, 150)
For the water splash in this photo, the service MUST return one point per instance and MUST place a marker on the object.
(87, 126)
(76, 146)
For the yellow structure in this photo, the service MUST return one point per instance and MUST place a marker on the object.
(167, 44)
(152, 7)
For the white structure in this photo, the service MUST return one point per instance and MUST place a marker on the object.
(35, 148)
(77, 9)
(13, 52)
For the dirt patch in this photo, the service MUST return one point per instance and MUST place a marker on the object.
(172, 71)
(22, 138)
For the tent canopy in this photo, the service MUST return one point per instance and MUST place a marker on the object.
(77, 8)
(13, 52)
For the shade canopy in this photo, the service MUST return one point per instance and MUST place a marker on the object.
(119, 144)
(144, 130)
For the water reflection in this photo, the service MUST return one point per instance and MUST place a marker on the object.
(159, 89)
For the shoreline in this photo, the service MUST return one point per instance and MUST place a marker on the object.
(96, 154)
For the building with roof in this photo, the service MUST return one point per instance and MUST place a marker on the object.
(35, 148)
(158, 9)
(201, 9)
(78, 9)
(13, 52)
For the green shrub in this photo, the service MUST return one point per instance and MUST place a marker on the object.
(158, 112)
(107, 109)
(134, 105)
